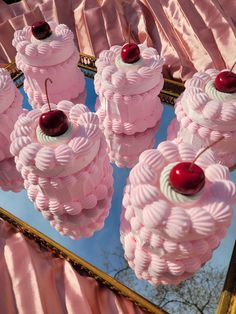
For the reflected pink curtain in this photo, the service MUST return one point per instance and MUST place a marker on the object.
(32, 281)
(193, 35)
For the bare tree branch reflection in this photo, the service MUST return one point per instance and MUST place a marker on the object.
(197, 295)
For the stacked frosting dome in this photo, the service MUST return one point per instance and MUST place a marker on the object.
(167, 236)
(49, 50)
(68, 176)
(124, 150)
(10, 109)
(205, 114)
(128, 101)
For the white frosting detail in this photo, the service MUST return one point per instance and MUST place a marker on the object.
(81, 163)
(215, 94)
(132, 67)
(62, 159)
(47, 52)
(54, 140)
(169, 192)
(224, 126)
(128, 79)
(50, 38)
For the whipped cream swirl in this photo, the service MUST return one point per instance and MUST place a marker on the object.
(215, 94)
(171, 194)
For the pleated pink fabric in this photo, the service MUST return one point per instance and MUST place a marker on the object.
(192, 35)
(32, 281)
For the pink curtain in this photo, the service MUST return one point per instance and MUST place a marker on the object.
(193, 35)
(33, 281)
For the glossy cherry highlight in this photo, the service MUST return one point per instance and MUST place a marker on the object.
(188, 178)
(226, 81)
(41, 30)
(53, 122)
(185, 180)
(130, 52)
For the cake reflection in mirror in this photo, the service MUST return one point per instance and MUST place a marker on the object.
(124, 150)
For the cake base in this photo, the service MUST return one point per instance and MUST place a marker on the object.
(83, 224)
(118, 126)
(77, 204)
(80, 99)
(197, 130)
(174, 134)
(124, 150)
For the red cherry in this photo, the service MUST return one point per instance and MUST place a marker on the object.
(130, 53)
(187, 178)
(41, 30)
(226, 82)
(53, 123)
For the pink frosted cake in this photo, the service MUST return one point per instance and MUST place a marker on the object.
(205, 114)
(10, 109)
(124, 150)
(55, 56)
(168, 235)
(68, 176)
(128, 101)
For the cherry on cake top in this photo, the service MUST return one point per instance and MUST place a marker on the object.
(187, 178)
(130, 53)
(53, 122)
(225, 81)
(41, 30)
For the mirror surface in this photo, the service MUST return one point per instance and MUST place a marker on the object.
(104, 249)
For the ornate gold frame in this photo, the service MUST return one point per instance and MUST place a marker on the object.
(227, 303)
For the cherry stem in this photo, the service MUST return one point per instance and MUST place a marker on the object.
(201, 152)
(129, 34)
(232, 66)
(46, 91)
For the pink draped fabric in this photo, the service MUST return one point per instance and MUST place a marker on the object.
(192, 35)
(33, 281)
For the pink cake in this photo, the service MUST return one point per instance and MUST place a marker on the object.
(10, 109)
(124, 150)
(68, 177)
(162, 261)
(206, 114)
(128, 101)
(56, 57)
(167, 236)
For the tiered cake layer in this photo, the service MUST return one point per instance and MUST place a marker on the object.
(55, 57)
(206, 115)
(68, 177)
(167, 236)
(128, 101)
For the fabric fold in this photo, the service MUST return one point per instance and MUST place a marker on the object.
(192, 35)
(36, 282)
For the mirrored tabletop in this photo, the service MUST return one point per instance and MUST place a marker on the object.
(104, 249)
